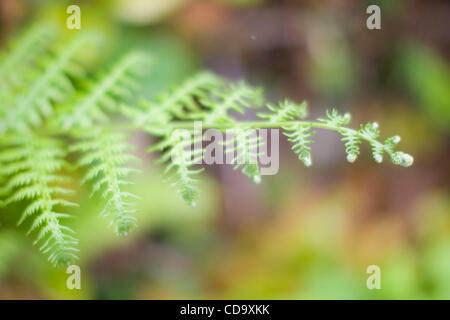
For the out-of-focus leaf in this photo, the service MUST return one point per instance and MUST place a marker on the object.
(174, 59)
(9, 248)
(427, 77)
(142, 12)
(333, 68)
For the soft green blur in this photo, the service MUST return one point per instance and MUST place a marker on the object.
(306, 233)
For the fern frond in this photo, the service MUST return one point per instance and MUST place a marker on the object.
(352, 142)
(153, 120)
(371, 131)
(334, 118)
(222, 101)
(184, 98)
(177, 102)
(180, 158)
(32, 164)
(52, 85)
(22, 54)
(106, 93)
(36, 78)
(398, 157)
(285, 111)
(105, 157)
(402, 159)
(299, 135)
(244, 146)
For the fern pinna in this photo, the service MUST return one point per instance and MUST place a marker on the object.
(33, 165)
(51, 108)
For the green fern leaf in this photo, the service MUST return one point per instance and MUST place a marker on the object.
(52, 85)
(352, 142)
(23, 53)
(372, 132)
(335, 119)
(153, 120)
(180, 158)
(105, 93)
(222, 101)
(176, 102)
(244, 146)
(31, 166)
(285, 111)
(37, 79)
(105, 155)
(299, 135)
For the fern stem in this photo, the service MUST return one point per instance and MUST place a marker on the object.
(189, 125)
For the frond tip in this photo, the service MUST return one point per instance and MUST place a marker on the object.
(287, 115)
(402, 159)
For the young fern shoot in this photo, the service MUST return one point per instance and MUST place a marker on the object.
(288, 116)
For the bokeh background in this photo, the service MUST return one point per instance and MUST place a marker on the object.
(306, 233)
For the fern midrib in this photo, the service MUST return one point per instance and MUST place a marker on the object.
(47, 197)
(189, 125)
(113, 181)
(48, 210)
(282, 115)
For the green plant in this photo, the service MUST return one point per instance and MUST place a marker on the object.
(50, 109)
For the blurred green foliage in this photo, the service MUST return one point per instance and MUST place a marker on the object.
(427, 78)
